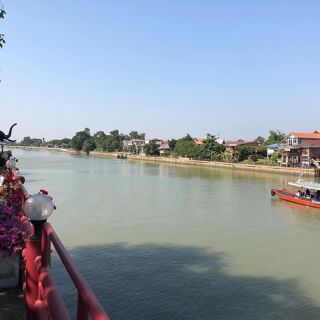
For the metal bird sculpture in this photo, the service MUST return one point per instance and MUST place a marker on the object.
(6, 137)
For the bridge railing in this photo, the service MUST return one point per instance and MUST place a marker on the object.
(42, 296)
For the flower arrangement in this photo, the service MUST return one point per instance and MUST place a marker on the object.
(11, 231)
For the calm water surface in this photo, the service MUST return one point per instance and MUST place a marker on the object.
(177, 242)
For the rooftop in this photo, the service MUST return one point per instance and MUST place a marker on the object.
(301, 135)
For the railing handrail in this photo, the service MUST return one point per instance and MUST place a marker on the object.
(87, 296)
(87, 301)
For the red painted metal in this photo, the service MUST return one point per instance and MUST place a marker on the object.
(82, 313)
(43, 299)
(51, 296)
(45, 250)
(85, 294)
(31, 252)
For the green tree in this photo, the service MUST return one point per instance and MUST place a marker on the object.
(275, 137)
(79, 138)
(59, 142)
(276, 156)
(260, 140)
(137, 135)
(27, 141)
(211, 150)
(243, 152)
(184, 146)
(100, 139)
(132, 148)
(88, 145)
(172, 143)
(261, 151)
(226, 156)
(151, 149)
(195, 152)
(113, 141)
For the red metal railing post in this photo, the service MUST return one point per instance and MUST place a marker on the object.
(82, 313)
(45, 250)
(32, 250)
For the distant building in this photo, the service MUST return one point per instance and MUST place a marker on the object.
(155, 141)
(138, 143)
(296, 138)
(164, 147)
(232, 145)
(301, 149)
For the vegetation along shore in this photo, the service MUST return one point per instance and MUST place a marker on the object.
(181, 161)
(261, 154)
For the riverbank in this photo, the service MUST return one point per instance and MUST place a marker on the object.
(186, 161)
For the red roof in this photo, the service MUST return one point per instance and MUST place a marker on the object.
(198, 141)
(300, 135)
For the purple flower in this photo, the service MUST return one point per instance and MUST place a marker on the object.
(11, 231)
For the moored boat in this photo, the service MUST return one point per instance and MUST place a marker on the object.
(307, 195)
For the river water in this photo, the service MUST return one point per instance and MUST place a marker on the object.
(162, 241)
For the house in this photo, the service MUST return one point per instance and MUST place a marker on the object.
(198, 141)
(137, 143)
(297, 138)
(231, 146)
(301, 149)
(125, 144)
(272, 148)
(154, 141)
(164, 147)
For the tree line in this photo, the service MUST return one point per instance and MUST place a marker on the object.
(210, 149)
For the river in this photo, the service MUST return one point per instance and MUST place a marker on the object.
(162, 241)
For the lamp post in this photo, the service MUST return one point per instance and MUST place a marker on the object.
(11, 164)
(38, 208)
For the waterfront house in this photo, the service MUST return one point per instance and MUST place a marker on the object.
(301, 149)
(138, 143)
(125, 144)
(231, 146)
(164, 147)
(154, 141)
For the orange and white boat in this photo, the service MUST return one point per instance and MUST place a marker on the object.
(307, 195)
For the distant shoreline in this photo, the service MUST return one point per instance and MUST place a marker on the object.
(184, 161)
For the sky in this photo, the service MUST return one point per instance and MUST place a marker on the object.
(232, 68)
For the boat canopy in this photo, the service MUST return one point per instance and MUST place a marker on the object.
(307, 185)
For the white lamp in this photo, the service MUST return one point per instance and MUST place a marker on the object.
(11, 164)
(38, 208)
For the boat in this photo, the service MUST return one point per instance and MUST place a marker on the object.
(307, 195)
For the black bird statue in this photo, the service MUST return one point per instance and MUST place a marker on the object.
(6, 137)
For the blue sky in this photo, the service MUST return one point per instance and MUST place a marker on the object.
(165, 67)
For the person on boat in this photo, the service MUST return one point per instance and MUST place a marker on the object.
(318, 195)
(298, 194)
(307, 193)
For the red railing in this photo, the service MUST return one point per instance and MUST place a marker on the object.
(42, 296)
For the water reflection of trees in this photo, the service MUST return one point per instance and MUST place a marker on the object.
(164, 282)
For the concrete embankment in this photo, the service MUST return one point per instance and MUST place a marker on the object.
(234, 166)
(212, 164)
(186, 161)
